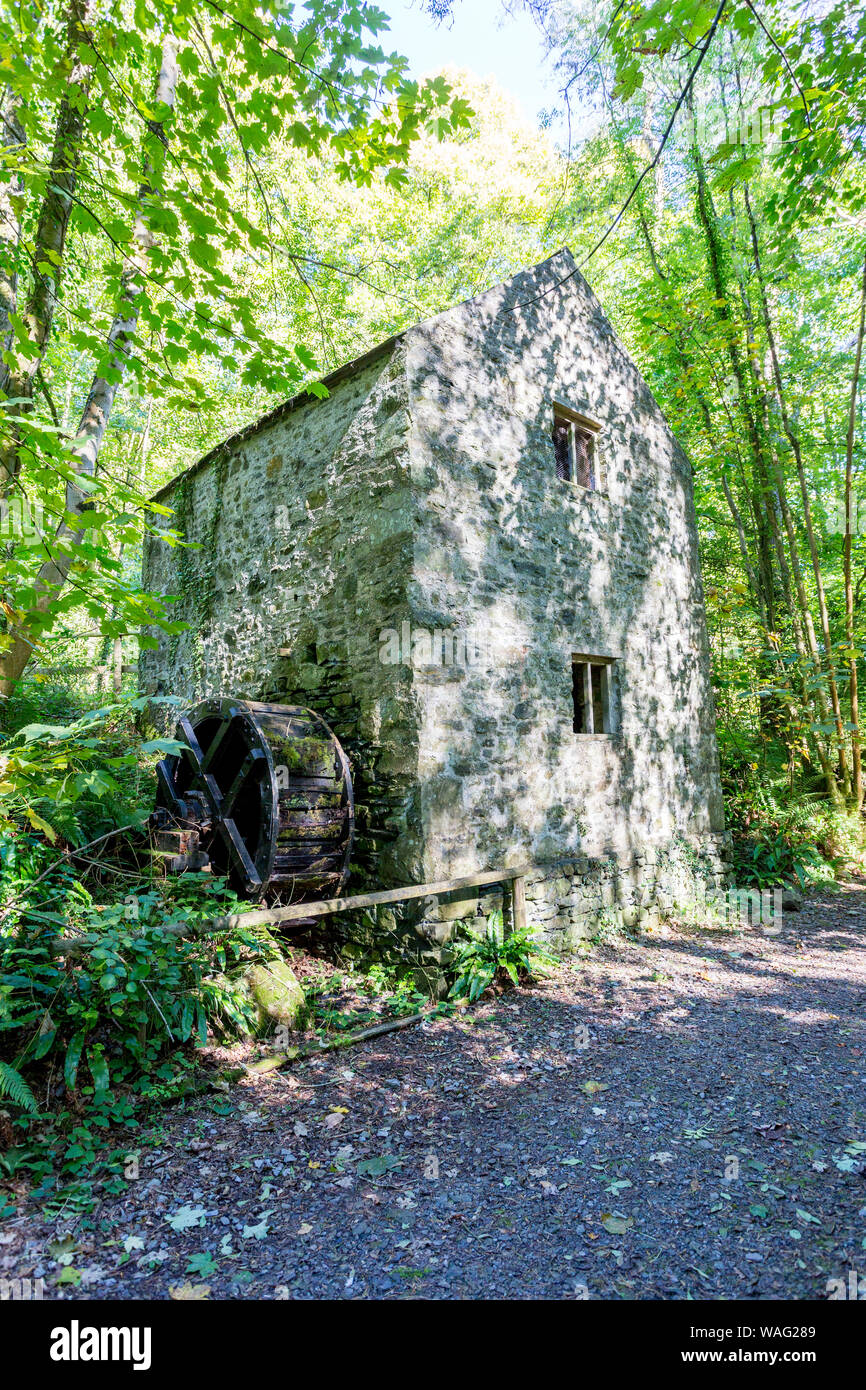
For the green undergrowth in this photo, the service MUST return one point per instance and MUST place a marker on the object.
(108, 987)
(345, 1000)
(787, 832)
(89, 1040)
(479, 961)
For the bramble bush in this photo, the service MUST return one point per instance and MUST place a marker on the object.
(75, 781)
(85, 1039)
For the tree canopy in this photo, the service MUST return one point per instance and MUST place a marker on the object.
(131, 135)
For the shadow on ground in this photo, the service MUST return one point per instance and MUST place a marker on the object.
(669, 1119)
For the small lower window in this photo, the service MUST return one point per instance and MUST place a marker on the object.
(591, 689)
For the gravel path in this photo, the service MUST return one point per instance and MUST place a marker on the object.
(667, 1119)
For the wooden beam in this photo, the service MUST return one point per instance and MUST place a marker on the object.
(518, 904)
(299, 912)
(296, 1054)
(302, 912)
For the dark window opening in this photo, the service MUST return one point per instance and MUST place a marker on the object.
(596, 676)
(562, 448)
(584, 447)
(591, 695)
(578, 694)
(575, 452)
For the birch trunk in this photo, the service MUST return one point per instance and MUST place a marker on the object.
(37, 314)
(12, 140)
(101, 396)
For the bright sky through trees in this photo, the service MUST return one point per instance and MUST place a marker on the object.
(483, 38)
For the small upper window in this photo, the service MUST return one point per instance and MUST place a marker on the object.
(575, 449)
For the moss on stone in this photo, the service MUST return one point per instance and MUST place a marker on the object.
(277, 995)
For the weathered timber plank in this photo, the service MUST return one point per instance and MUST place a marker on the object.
(298, 911)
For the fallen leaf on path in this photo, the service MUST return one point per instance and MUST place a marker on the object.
(186, 1217)
(63, 1249)
(617, 1225)
(806, 1216)
(260, 1229)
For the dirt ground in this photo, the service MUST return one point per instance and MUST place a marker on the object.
(680, 1117)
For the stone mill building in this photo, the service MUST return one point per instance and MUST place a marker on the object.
(477, 559)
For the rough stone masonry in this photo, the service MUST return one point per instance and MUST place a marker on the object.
(477, 559)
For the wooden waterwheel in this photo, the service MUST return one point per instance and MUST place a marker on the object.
(259, 793)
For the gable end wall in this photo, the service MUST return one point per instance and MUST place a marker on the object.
(539, 569)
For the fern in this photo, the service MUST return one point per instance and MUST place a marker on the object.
(482, 959)
(13, 1085)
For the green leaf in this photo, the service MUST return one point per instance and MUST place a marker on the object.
(377, 1167)
(617, 1225)
(13, 1085)
(186, 1217)
(259, 1230)
(72, 1059)
(98, 1068)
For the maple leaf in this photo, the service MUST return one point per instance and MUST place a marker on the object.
(186, 1217)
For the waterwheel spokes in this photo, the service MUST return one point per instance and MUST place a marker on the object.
(239, 854)
(256, 761)
(216, 742)
(200, 779)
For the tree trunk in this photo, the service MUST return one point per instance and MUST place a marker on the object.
(11, 139)
(793, 440)
(857, 790)
(18, 381)
(103, 390)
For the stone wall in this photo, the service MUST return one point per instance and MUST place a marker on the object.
(304, 528)
(545, 570)
(568, 902)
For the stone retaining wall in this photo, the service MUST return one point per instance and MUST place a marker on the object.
(567, 902)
